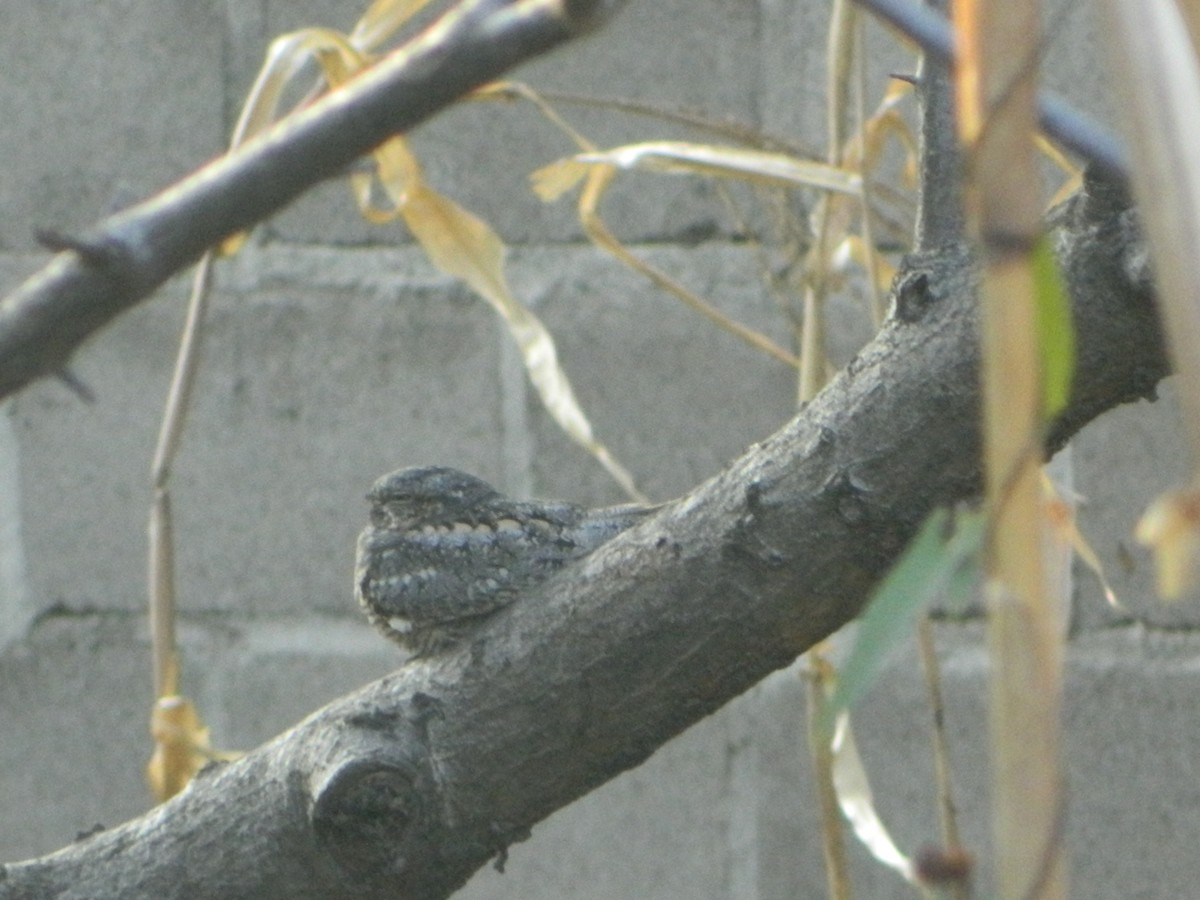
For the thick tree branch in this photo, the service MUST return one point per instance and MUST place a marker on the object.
(406, 787)
(121, 260)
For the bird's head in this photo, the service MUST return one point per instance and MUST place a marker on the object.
(427, 495)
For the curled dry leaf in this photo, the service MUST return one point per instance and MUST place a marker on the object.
(1171, 528)
(752, 166)
(463, 245)
(383, 19)
(181, 746)
(885, 122)
(1060, 514)
(857, 801)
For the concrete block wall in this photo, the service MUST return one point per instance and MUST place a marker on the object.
(336, 353)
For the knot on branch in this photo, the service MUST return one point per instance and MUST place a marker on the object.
(369, 815)
(913, 296)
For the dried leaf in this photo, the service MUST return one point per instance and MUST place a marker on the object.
(395, 166)
(1074, 173)
(383, 19)
(552, 181)
(509, 89)
(181, 746)
(753, 166)
(596, 183)
(339, 60)
(885, 122)
(1171, 528)
(1062, 519)
(466, 247)
(857, 802)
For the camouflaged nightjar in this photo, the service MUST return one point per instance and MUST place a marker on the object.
(444, 550)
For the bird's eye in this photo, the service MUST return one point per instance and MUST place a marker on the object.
(379, 517)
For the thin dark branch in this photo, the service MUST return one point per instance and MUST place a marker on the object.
(121, 260)
(1074, 130)
(940, 212)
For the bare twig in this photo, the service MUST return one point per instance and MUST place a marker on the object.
(940, 213)
(947, 809)
(833, 838)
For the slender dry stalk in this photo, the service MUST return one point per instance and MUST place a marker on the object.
(997, 120)
(1159, 76)
(833, 839)
(812, 338)
(811, 380)
(162, 545)
(947, 809)
(878, 307)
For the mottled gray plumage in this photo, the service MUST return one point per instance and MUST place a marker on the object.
(445, 549)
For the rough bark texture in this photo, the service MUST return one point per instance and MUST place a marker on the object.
(406, 787)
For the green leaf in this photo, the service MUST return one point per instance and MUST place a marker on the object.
(1056, 334)
(932, 565)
